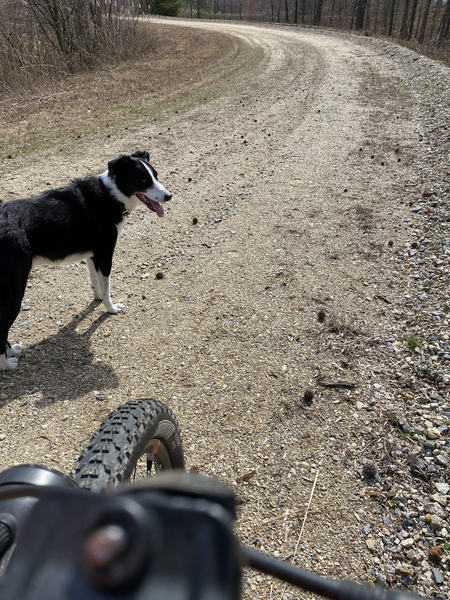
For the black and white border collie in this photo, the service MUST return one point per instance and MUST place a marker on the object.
(81, 220)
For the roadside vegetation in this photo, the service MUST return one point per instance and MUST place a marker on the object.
(44, 39)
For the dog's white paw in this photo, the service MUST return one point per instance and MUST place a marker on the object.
(115, 309)
(8, 364)
(14, 351)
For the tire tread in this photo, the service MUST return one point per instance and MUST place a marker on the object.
(118, 441)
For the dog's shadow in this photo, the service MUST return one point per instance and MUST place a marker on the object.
(59, 368)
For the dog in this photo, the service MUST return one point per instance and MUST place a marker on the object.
(81, 220)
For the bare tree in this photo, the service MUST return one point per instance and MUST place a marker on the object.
(404, 26)
(359, 12)
(443, 29)
(423, 24)
(391, 17)
(318, 12)
(412, 18)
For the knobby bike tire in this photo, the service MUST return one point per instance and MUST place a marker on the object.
(143, 426)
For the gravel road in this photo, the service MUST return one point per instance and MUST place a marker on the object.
(286, 262)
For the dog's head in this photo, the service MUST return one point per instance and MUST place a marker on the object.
(134, 176)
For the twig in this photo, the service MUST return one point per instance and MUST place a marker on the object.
(380, 297)
(284, 516)
(304, 522)
(338, 384)
(245, 477)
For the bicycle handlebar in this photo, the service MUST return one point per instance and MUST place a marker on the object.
(168, 539)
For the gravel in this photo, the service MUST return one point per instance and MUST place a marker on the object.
(341, 213)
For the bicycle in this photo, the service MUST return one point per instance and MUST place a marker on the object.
(168, 537)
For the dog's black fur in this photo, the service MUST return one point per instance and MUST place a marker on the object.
(81, 219)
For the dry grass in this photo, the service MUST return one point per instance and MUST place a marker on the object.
(75, 106)
(44, 40)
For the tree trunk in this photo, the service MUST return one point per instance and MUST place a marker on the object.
(359, 12)
(404, 25)
(375, 27)
(423, 25)
(318, 13)
(444, 25)
(435, 13)
(412, 19)
(330, 22)
(367, 18)
(391, 18)
(419, 19)
(353, 16)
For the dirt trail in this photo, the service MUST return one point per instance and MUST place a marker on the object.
(292, 166)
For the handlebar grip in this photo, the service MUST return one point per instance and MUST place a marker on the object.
(6, 538)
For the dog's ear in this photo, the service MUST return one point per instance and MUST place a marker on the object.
(117, 163)
(142, 154)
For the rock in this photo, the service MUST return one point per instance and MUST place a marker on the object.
(435, 553)
(439, 498)
(442, 488)
(407, 543)
(406, 427)
(442, 460)
(437, 576)
(436, 509)
(432, 433)
(436, 522)
(370, 543)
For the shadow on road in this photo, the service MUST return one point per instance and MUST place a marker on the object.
(59, 368)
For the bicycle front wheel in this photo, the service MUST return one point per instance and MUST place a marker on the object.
(136, 440)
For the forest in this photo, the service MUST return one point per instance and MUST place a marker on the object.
(421, 21)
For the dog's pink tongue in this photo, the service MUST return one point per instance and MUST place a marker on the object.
(158, 208)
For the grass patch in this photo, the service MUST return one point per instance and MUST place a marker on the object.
(412, 342)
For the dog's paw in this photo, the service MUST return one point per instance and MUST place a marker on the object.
(115, 309)
(14, 351)
(8, 364)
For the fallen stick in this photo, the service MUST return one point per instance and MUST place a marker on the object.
(304, 522)
(338, 384)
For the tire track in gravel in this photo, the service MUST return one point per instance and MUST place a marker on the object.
(294, 216)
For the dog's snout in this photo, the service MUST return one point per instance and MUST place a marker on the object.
(167, 197)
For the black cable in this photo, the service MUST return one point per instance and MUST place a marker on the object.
(311, 582)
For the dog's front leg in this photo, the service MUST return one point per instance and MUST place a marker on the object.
(13, 350)
(102, 266)
(110, 307)
(7, 364)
